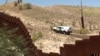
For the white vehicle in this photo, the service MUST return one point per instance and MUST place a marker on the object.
(63, 29)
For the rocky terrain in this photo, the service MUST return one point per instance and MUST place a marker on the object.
(40, 20)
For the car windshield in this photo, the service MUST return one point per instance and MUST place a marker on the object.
(59, 28)
(70, 29)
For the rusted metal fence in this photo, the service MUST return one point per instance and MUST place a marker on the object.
(14, 22)
(86, 47)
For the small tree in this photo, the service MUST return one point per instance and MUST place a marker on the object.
(27, 6)
(20, 7)
(15, 3)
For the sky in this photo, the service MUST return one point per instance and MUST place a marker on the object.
(94, 3)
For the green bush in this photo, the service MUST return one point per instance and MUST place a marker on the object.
(20, 7)
(37, 36)
(15, 3)
(84, 31)
(27, 6)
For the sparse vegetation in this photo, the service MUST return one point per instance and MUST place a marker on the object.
(73, 23)
(37, 35)
(15, 3)
(11, 44)
(84, 31)
(27, 6)
(61, 23)
(81, 31)
(20, 7)
(76, 31)
(40, 45)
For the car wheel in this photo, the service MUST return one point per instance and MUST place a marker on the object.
(64, 32)
(68, 33)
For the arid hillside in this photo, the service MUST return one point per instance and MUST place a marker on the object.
(40, 20)
(60, 14)
(65, 15)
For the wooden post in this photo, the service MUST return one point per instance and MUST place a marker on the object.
(82, 18)
(6, 2)
(19, 1)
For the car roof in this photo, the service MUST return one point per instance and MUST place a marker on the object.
(64, 26)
